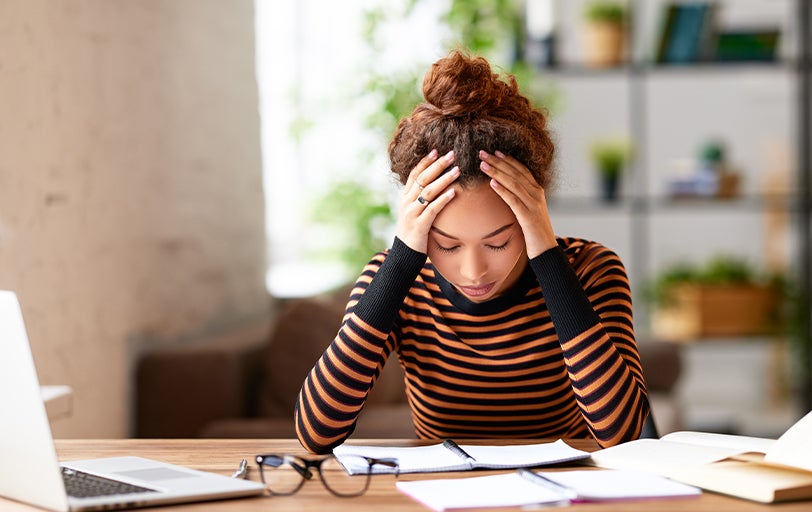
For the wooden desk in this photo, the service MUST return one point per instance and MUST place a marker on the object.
(223, 455)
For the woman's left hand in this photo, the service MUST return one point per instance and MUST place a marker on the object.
(517, 187)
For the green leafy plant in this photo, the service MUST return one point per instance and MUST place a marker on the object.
(719, 270)
(604, 11)
(610, 155)
(712, 153)
(484, 27)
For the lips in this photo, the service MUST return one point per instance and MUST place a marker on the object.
(477, 291)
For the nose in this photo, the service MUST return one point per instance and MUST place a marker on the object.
(473, 266)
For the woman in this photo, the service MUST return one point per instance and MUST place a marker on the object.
(502, 328)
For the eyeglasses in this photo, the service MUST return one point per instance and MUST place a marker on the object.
(285, 474)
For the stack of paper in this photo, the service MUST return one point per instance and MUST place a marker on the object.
(543, 488)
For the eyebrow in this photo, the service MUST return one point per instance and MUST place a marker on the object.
(489, 235)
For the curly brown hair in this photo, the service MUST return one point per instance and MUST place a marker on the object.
(469, 108)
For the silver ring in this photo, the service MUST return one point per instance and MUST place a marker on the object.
(421, 200)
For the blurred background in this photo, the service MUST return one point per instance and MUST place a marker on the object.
(173, 172)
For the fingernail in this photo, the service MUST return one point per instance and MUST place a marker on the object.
(500, 154)
(483, 154)
(455, 171)
(450, 155)
(433, 153)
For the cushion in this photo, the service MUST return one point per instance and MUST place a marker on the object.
(303, 330)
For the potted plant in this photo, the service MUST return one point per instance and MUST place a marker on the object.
(609, 157)
(725, 297)
(604, 32)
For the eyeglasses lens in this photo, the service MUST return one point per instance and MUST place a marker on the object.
(337, 480)
(280, 475)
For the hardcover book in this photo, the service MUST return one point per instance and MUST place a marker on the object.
(687, 33)
(753, 468)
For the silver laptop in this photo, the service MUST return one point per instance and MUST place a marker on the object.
(31, 473)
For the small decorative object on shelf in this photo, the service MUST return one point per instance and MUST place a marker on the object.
(604, 33)
(610, 156)
(709, 175)
(539, 45)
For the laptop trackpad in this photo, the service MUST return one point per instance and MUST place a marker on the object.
(156, 474)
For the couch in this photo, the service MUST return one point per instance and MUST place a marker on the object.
(248, 390)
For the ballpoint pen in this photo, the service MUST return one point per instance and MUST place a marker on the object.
(566, 493)
(454, 447)
(242, 471)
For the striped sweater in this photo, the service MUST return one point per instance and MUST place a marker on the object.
(553, 357)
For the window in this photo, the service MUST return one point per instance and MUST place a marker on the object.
(311, 65)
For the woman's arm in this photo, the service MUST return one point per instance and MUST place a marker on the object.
(335, 390)
(592, 315)
(591, 311)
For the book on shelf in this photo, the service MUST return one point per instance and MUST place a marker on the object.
(449, 456)
(753, 468)
(742, 45)
(686, 35)
(525, 487)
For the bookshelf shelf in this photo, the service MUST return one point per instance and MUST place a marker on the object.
(637, 91)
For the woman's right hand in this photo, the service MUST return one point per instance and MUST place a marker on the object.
(425, 194)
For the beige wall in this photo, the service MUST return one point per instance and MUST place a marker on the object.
(131, 205)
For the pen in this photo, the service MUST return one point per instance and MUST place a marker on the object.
(543, 481)
(242, 471)
(454, 447)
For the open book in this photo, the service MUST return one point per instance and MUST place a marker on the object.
(525, 487)
(758, 469)
(449, 456)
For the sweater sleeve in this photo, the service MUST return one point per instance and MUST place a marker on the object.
(592, 314)
(335, 390)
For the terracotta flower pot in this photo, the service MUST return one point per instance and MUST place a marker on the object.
(604, 44)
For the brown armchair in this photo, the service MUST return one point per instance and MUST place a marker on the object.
(232, 392)
(223, 391)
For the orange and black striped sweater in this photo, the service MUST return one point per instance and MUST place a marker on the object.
(553, 357)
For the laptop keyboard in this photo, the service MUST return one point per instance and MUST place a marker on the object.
(84, 485)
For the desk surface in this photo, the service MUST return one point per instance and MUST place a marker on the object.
(223, 456)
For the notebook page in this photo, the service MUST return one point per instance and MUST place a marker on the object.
(411, 459)
(508, 490)
(609, 484)
(514, 456)
(794, 447)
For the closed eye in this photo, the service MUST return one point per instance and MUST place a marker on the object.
(499, 247)
(448, 250)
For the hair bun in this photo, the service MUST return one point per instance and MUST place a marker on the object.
(465, 86)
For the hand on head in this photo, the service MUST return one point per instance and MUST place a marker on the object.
(516, 186)
(471, 108)
(427, 191)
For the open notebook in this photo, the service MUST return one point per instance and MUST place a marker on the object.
(30, 471)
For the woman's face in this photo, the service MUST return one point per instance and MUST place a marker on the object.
(477, 244)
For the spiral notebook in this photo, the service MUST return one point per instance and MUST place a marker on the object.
(449, 456)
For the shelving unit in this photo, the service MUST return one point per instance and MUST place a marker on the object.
(641, 225)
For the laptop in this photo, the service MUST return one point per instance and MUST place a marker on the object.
(31, 473)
